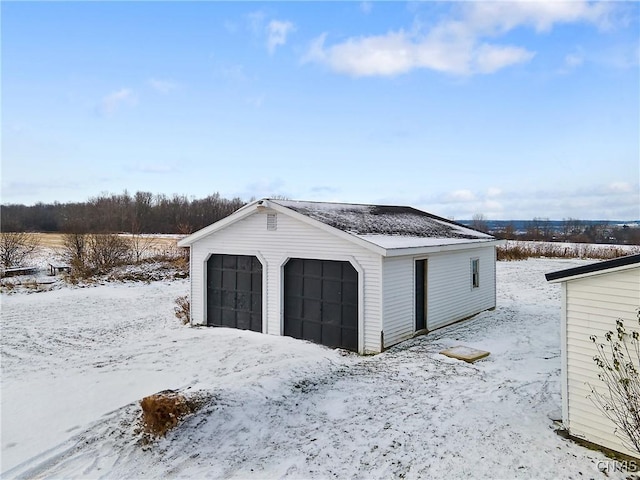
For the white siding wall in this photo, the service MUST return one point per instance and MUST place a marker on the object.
(592, 306)
(450, 296)
(398, 299)
(291, 239)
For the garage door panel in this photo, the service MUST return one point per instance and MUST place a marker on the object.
(293, 329)
(228, 318)
(332, 335)
(244, 263)
(243, 302)
(332, 291)
(294, 307)
(243, 281)
(312, 331)
(332, 270)
(228, 280)
(332, 313)
(311, 310)
(349, 311)
(234, 292)
(321, 302)
(311, 287)
(256, 304)
(243, 320)
(350, 293)
(350, 339)
(312, 268)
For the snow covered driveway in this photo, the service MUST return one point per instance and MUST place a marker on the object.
(76, 361)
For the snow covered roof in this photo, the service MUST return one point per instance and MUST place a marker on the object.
(386, 229)
(388, 226)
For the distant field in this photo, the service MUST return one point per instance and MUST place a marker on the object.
(55, 240)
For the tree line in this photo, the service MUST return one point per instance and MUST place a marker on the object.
(142, 212)
(567, 230)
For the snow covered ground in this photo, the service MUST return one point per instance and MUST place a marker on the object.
(76, 361)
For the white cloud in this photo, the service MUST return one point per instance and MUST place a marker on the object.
(256, 101)
(573, 60)
(460, 196)
(490, 58)
(277, 32)
(366, 7)
(256, 22)
(494, 192)
(620, 187)
(458, 45)
(113, 101)
(500, 17)
(235, 73)
(156, 168)
(162, 86)
(617, 200)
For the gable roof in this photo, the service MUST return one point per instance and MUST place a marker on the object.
(386, 229)
(594, 268)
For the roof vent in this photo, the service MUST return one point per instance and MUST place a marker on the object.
(272, 221)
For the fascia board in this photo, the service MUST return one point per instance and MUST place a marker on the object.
(398, 252)
(593, 274)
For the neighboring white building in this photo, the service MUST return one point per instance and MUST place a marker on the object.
(359, 277)
(593, 297)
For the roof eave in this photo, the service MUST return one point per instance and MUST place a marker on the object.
(608, 266)
(589, 274)
(398, 252)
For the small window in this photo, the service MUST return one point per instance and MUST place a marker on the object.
(475, 272)
(272, 221)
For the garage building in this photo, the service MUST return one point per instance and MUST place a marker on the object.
(358, 277)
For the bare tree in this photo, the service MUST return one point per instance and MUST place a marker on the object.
(140, 245)
(16, 247)
(479, 222)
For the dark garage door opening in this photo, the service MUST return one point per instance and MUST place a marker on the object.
(234, 292)
(321, 302)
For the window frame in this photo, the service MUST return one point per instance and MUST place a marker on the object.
(475, 273)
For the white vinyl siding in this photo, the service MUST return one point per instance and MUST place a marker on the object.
(291, 239)
(450, 297)
(593, 304)
(398, 299)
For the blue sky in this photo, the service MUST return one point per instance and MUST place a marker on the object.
(511, 110)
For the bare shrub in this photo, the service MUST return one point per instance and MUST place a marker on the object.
(618, 362)
(140, 246)
(183, 309)
(162, 411)
(74, 252)
(107, 251)
(17, 247)
(91, 254)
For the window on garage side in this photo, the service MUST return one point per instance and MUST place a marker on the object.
(475, 272)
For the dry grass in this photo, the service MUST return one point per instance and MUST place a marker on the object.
(56, 240)
(183, 309)
(162, 411)
(515, 250)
